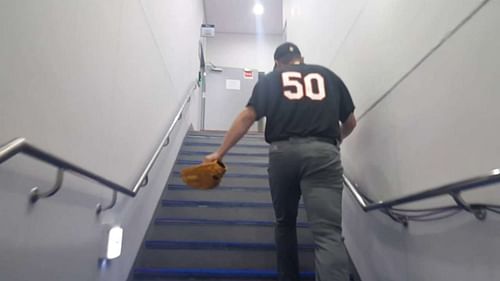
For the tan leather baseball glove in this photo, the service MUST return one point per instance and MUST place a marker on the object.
(205, 175)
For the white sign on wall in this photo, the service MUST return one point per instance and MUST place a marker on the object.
(232, 84)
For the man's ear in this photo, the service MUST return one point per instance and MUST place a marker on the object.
(301, 59)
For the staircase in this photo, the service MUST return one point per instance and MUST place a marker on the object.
(222, 234)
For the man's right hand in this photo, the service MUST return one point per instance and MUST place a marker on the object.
(212, 157)
(238, 129)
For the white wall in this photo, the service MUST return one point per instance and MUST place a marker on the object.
(96, 83)
(428, 116)
(243, 50)
(437, 123)
(106, 65)
(320, 39)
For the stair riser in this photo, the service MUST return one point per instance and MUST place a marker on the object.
(217, 144)
(220, 188)
(235, 149)
(232, 169)
(258, 182)
(160, 278)
(204, 277)
(241, 162)
(220, 135)
(228, 158)
(266, 214)
(173, 278)
(221, 195)
(229, 259)
(231, 174)
(213, 274)
(202, 153)
(249, 234)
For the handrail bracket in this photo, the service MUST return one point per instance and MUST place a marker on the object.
(100, 208)
(478, 211)
(402, 219)
(36, 194)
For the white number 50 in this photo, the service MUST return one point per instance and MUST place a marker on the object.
(303, 87)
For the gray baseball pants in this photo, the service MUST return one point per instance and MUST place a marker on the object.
(311, 168)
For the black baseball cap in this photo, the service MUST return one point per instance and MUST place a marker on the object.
(286, 52)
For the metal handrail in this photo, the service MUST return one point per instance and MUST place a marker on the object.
(21, 145)
(164, 142)
(453, 189)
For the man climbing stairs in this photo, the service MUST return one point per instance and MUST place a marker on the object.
(222, 234)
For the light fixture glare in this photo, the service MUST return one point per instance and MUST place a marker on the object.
(258, 9)
(114, 247)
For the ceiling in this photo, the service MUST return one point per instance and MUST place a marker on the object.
(235, 16)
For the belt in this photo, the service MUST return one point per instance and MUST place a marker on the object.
(321, 139)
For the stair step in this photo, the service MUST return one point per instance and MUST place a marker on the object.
(218, 140)
(213, 144)
(219, 258)
(218, 194)
(221, 134)
(231, 181)
(214, 274)
(262, 150)
(239, 154)
(233, 175)
(239, 231)
(200, 212)
(193, 221)
(183, 187)
(217, 245)
(231, 169)
(217, 204)
(229, 163)
(227, 158)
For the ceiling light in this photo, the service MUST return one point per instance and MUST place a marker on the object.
(258, 9)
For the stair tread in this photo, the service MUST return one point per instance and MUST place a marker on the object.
(205, 152)
(176, 220)
(216, 273)
(238, 145)
(183, 187)
(219, 271)
(216, 245)
(230, 174)
(216, 258)
(221, 232)
(231, 181)
(217, 204)
(230, 163)
(219, 213)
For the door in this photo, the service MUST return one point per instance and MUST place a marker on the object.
(226, 94)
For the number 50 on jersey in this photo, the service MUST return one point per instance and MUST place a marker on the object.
(298, 86)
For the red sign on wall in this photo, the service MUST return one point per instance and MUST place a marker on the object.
(247, 74)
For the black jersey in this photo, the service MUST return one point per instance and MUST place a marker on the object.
(301, 101)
